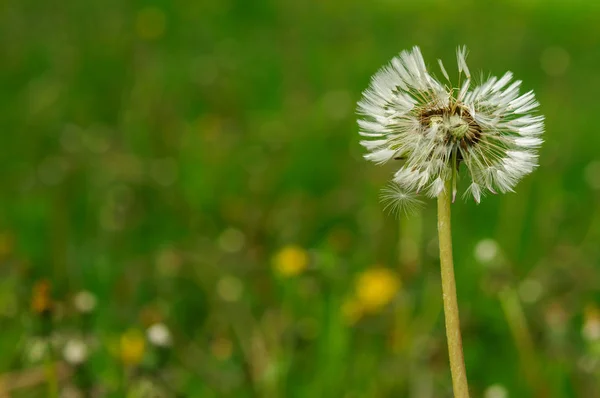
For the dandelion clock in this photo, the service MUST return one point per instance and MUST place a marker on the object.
(435, 128)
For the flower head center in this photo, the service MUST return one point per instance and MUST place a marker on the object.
(453, 124)
(457, 127)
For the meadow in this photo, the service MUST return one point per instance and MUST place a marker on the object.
(185, 210)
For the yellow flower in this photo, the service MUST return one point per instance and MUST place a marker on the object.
(290, 261)
(132, 345)
(375, 288)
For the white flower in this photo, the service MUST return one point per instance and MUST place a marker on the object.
(85, 302)
(407, 114)
(75, 352)
(486, 251)
(159, 335)
(496, 391)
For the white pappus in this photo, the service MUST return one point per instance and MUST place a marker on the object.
(407, 114)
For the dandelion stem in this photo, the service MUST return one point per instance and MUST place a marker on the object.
(455, 351)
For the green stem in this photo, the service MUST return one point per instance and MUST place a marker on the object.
(455, 351)
(517, 322)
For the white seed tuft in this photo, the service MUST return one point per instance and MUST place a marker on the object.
(85, 302)
(490, 129)
(159, 335)
(398, 201)
(75, 352)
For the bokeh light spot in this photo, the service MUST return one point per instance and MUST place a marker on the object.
(132, 346)
(496, 391)
(291, 261)
(530, 290)
(231, 240)
(555, 61)
(376, 287)
(75, 352)
(591, 323)
(230, 288)
(486, 250)
(85, 302)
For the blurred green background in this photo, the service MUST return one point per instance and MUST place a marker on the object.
(185, 211)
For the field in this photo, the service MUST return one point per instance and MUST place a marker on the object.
(185, 210)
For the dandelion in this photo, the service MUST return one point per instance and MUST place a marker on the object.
(75, 352)
(290, 261)
(375, 288)
(407, 114)
(159, 335)
(132, 346)
(85, 302)
(433, 129)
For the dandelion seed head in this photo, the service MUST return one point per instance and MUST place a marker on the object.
(490, 128)
(159, 335)
(85, 302)
(75, 352)
(496, 391)
(398, 201)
